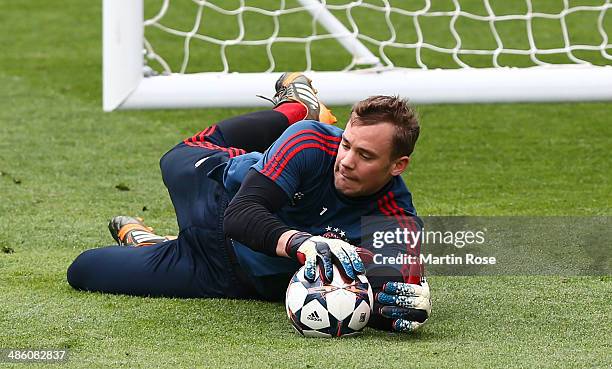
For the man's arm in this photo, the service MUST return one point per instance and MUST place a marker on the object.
(250, 220)
(282, 243)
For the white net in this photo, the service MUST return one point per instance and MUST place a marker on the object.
(265, 36)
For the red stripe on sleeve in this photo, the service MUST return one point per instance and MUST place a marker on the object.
(279, 156)
(279, 169)
(283, 147)
(292, 141)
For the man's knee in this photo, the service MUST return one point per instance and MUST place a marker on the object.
(180, 164)
(80, 271)
(165, 163)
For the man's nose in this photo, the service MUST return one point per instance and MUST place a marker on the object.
(348, 160)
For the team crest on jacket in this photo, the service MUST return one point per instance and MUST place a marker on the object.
(335, 233)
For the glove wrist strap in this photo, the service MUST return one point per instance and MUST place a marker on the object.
(294, 242)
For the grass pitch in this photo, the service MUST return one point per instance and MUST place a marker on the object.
(66, 168)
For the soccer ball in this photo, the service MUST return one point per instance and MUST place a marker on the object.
(341, 308)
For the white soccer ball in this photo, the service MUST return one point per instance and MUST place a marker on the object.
(340, 308)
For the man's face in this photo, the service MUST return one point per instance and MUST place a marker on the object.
(363, 164)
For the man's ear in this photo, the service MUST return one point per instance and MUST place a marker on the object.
(399, 165)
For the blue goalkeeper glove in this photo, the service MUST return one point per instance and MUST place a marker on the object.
(309, 250)
(401, 307)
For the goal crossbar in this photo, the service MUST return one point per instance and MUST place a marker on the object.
(125, 87)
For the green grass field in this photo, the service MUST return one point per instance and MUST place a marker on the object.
(62, 160)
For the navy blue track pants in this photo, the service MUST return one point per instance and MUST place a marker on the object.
(200, 262)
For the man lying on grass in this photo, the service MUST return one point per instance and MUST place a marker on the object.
(247, 220)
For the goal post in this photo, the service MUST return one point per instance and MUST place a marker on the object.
(130, 82)
(122, 56)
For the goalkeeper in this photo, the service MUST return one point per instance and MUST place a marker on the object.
(258, 195)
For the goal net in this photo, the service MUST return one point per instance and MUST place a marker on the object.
(197, 53)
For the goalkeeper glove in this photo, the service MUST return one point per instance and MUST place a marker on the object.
(309, 250)
(401, 307)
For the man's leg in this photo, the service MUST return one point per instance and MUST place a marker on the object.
(197, 264)
(200, 263)
(295, 99)
(183, 267)
(248, 132)
(185, 167)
